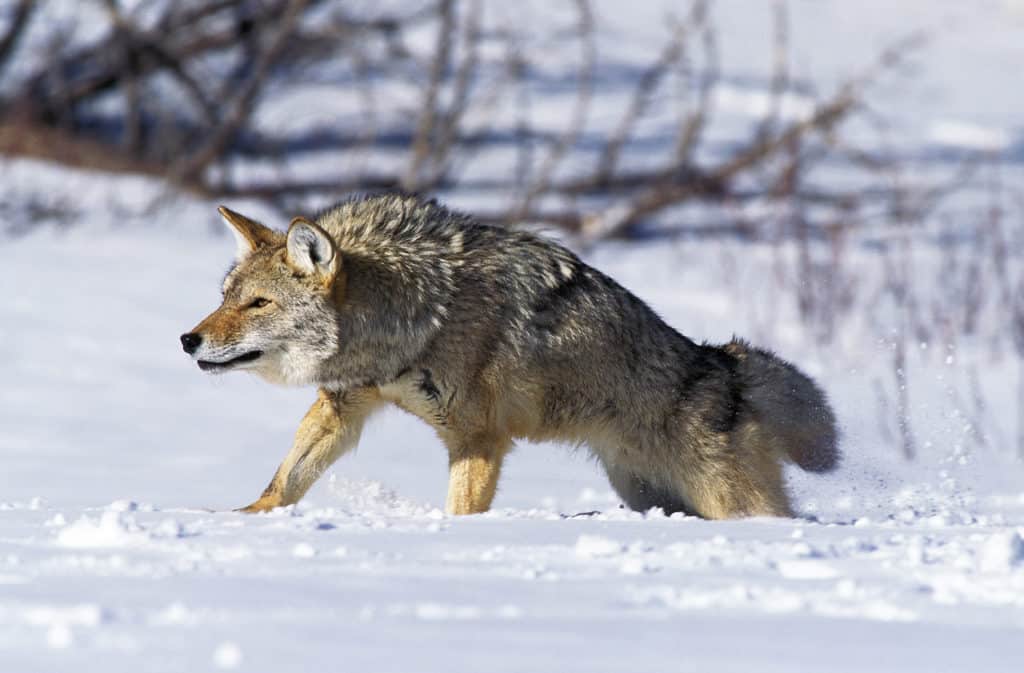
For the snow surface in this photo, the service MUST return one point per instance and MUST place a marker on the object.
(121, 461)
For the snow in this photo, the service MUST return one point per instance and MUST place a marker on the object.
(595, 546)
(111, 530)
(969, 136)
(228, 655)
(119, 550)
(1001, 552)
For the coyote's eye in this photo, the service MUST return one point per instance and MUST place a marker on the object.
(258, 302)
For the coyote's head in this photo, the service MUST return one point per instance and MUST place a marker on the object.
(279, 314)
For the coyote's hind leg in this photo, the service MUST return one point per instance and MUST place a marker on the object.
(640, 495)
(730, 488)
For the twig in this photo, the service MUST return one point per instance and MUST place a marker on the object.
(578, 120)
(693, 124)
(669, 191)
(674, 49)
(241, 108)
(451, 119)
(19, 20)
(423, 142)
(780, 68)
(123, 41)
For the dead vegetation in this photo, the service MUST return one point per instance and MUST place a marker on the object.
(188, 79)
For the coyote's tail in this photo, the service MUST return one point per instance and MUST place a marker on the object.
(794, 416)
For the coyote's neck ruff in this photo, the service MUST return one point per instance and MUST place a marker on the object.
(490, 334)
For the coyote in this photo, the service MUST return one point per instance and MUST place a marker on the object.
(491, 334)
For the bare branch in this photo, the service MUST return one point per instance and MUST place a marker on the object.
(103, 75)
(176, 17)
(123, 37)
(717, 180)
(579, 116)
(241, 108)
(780, 69)
(645, 87)
(19, 20)
(464, 75)
(693, 125)
(423, 142)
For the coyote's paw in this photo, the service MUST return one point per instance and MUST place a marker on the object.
(264, 504)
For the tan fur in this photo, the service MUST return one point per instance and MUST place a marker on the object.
(473, 477)
(490, 336)
(330, 429)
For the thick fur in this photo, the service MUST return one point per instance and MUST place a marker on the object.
(490, 335)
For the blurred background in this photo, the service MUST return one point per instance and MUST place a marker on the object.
(840, 181)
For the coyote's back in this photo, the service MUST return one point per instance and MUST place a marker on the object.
(492, 334)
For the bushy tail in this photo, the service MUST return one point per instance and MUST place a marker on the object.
(792, 411)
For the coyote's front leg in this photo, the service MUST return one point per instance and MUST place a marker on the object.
(330, 429)
(473, 470)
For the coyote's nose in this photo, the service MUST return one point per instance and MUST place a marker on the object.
(190, 342)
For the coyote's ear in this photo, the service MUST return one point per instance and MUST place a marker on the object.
(311, 250)
(249, 234)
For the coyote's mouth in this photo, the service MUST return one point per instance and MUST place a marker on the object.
(208, 366)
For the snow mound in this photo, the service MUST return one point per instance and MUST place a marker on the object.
(114, 528)
(373, 500)
(1002, 552)
(85, 614)
(806, 569)
(303, 550)
(228, 655)
(58, 621)
(954, 133)
(596, 546)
